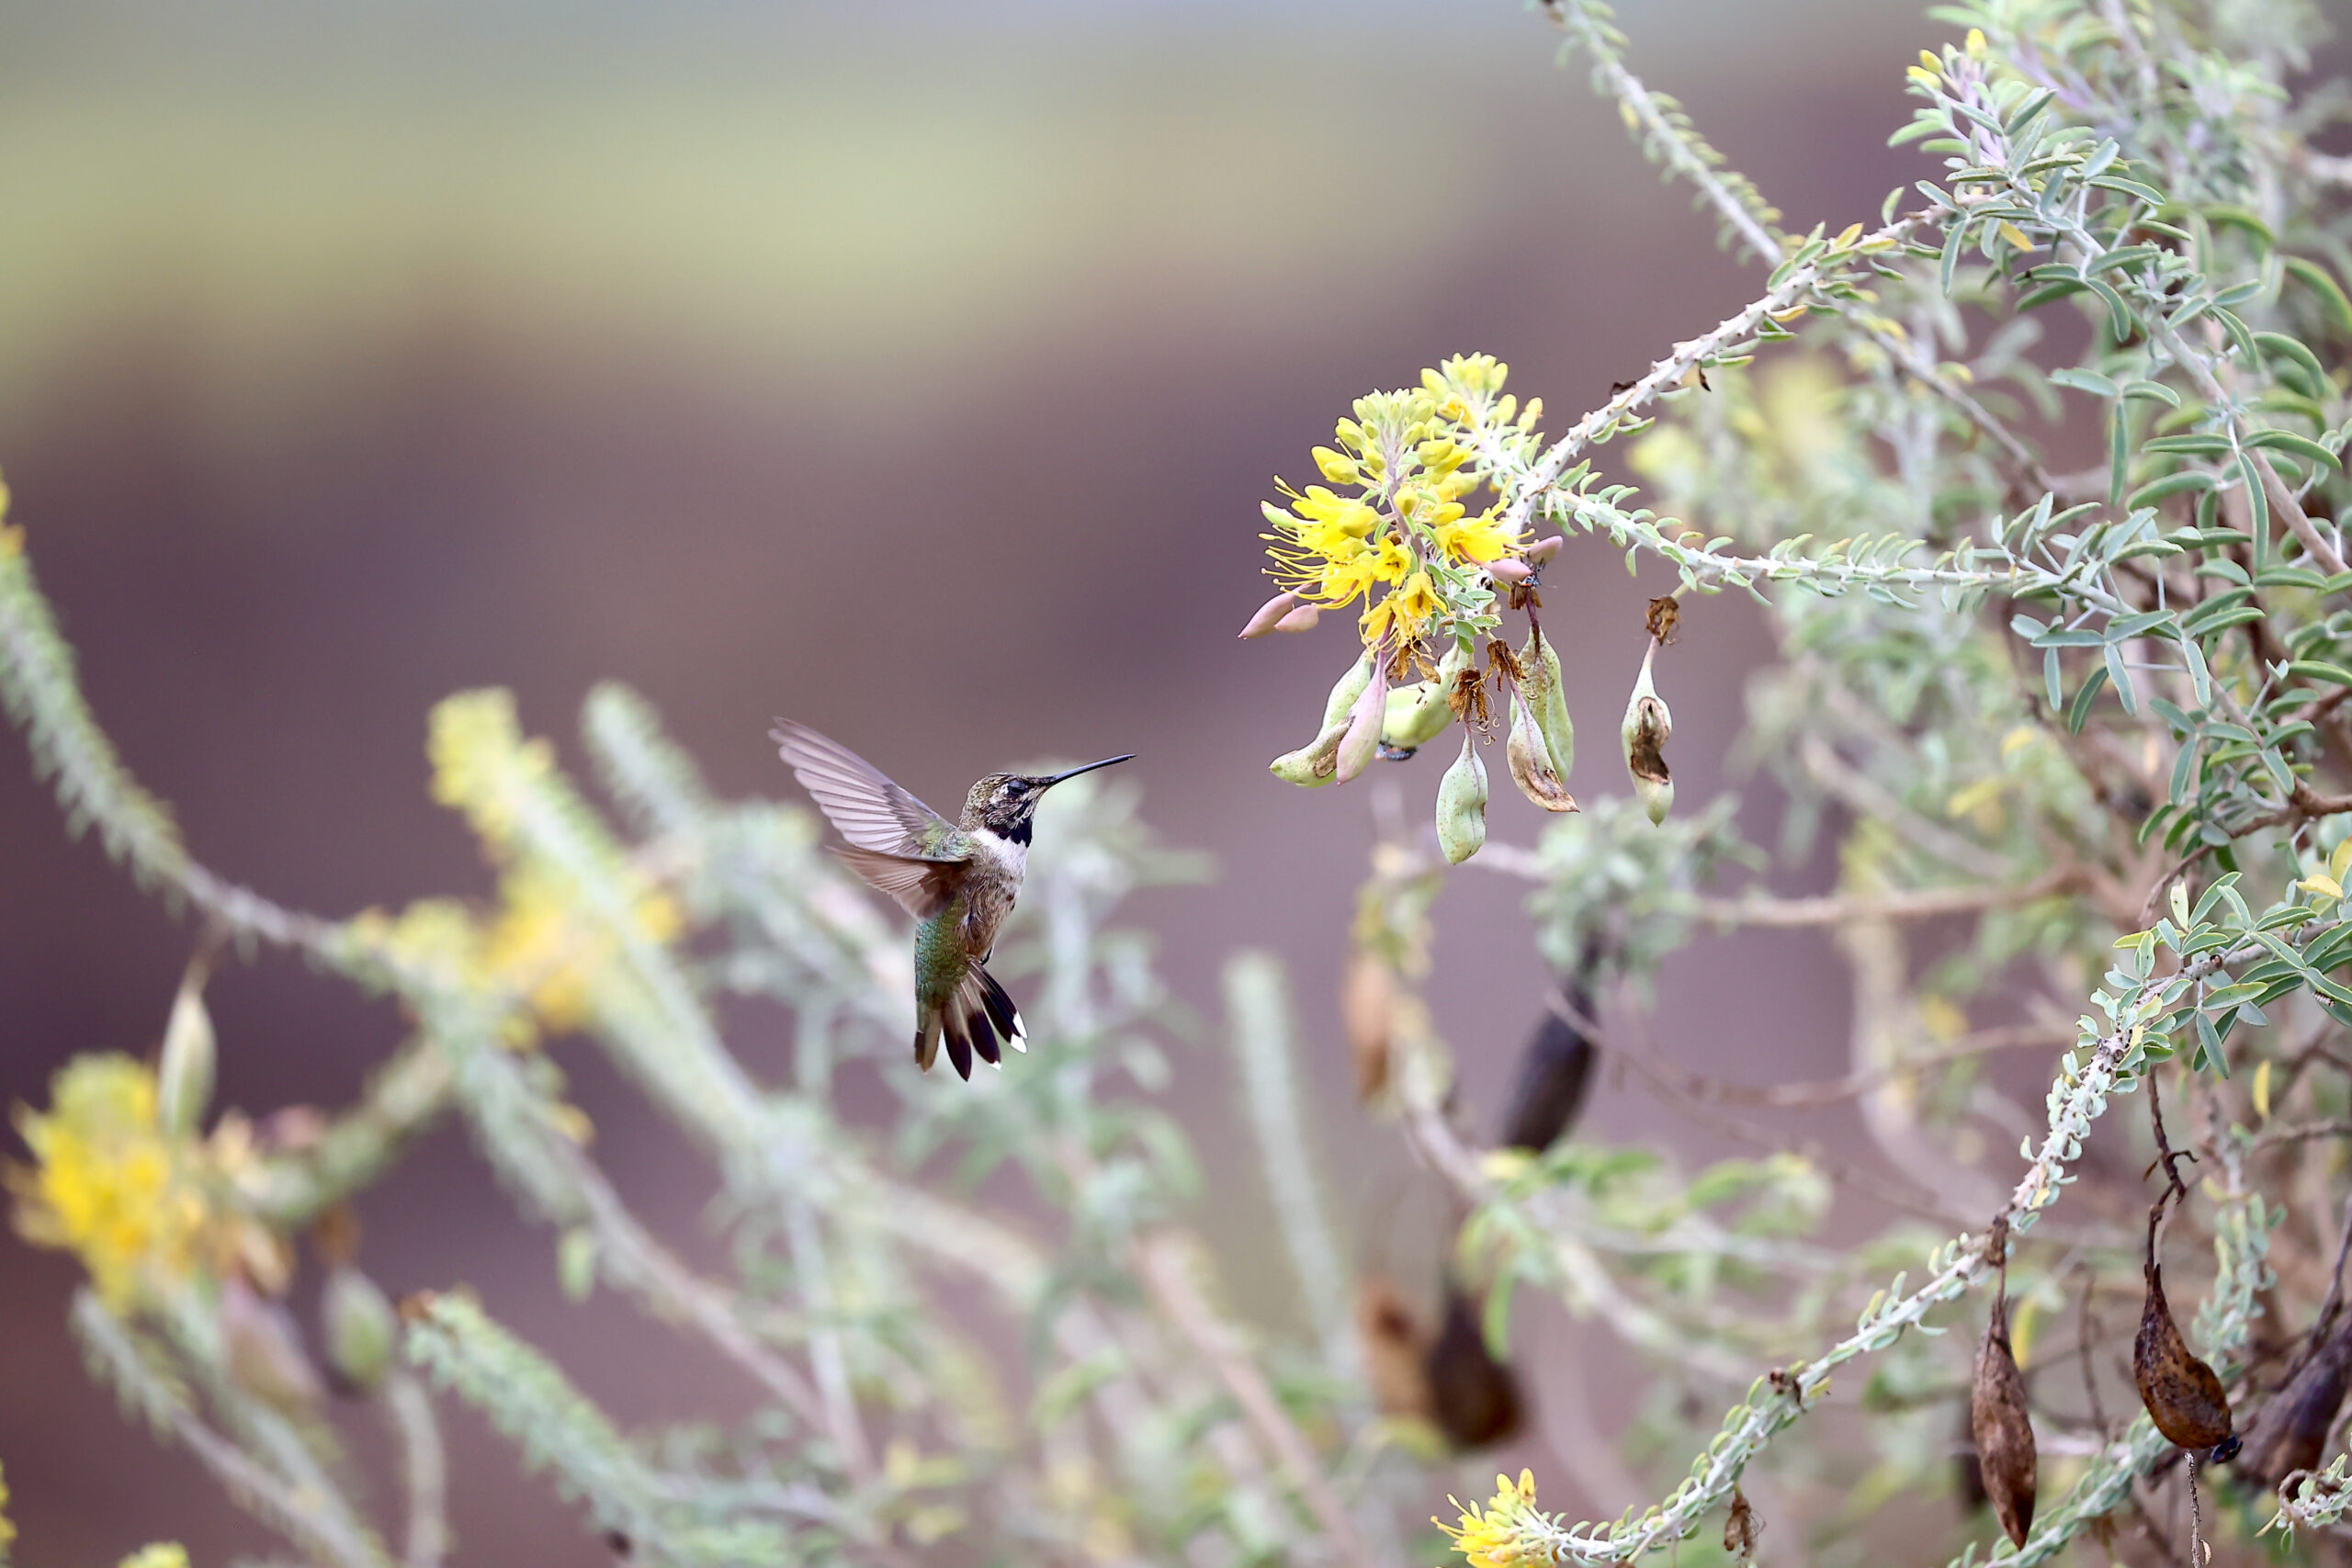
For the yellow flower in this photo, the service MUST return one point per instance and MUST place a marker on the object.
(1478, 540)
(1407, 612)
(163, 1554)
(107, 1184)
(7, 1530)
(1490, 1539)
(540, 946)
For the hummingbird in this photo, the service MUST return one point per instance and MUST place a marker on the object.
(957, 879)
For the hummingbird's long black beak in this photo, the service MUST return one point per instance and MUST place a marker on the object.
(1090, 767)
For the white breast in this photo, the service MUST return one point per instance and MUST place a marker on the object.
(1012, 857)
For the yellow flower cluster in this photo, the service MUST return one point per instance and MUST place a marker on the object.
(107, 1184)
(164, 1554)
(535, 945)
(7, 1530)
(1405, 541)
(540, 944)
(1490, 1537)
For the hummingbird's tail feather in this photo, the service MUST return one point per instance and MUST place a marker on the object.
(974, 1021)
(927, 1032)
(1001, 1011)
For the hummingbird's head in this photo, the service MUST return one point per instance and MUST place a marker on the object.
(1005, 803)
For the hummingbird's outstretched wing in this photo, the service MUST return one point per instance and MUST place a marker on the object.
(923, 888)
(871, 812)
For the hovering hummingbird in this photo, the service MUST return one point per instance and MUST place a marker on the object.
(958, 880)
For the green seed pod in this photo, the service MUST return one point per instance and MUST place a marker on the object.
(1419, 713)
(1647, 725)
(1530, 761)
(1549, 700)
(263, 1349)
(1350, 687)
(1362, 740)
(1462, 804)
(356, 1322)
(184, 1070)
(1317, 763)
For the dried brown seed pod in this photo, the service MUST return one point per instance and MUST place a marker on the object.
(1367, 1010)
(1665, 615)
(1395, 1350)
(2184, 1397)
(1554, 1073)
(2289, 1433)
(2003, 1432)
(1530, 761)
(1475, 1396)
(1741, 1526)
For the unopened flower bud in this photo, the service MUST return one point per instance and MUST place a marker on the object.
(1509, 570)
(1301, 619)
(1336, 466)
(358, 1326)
(1462, 803)
(1365, 721)
(1269, 615)
(1544, 549)
(1530, 761)
(184, 1070)
(1647, 725)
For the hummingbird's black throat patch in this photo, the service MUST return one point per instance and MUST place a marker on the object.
(1017, 831)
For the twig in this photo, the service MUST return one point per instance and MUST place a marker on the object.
(423, 1470)
(1163, 1263)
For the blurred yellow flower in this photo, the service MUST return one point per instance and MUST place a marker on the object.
(1489, 1538)
(163, 1554)
(7, 1530)
(107, 1184)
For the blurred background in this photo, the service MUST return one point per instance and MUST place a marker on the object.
(913, 370)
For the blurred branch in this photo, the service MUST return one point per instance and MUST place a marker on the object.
(423, 1469)
(1265, 1052)
(139, 1377)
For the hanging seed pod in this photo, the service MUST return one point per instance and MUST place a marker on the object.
(1362, 740)
(1462, 804)
(1368, 1013)
(262, 1348)
(357, 1327)
(1539, 663)
(2184, 1397)
(1395, 1350)
(1317, 763)
(1530, 761)
(1268, 614)
(1647, 724)
(1554, 1072)
(1475, 1396)
(2003, 1432)
(185, 1067)
(2290, 1431)
(1420, 713)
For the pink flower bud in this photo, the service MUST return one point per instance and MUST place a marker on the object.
(1302, 619)
(1269, 615)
